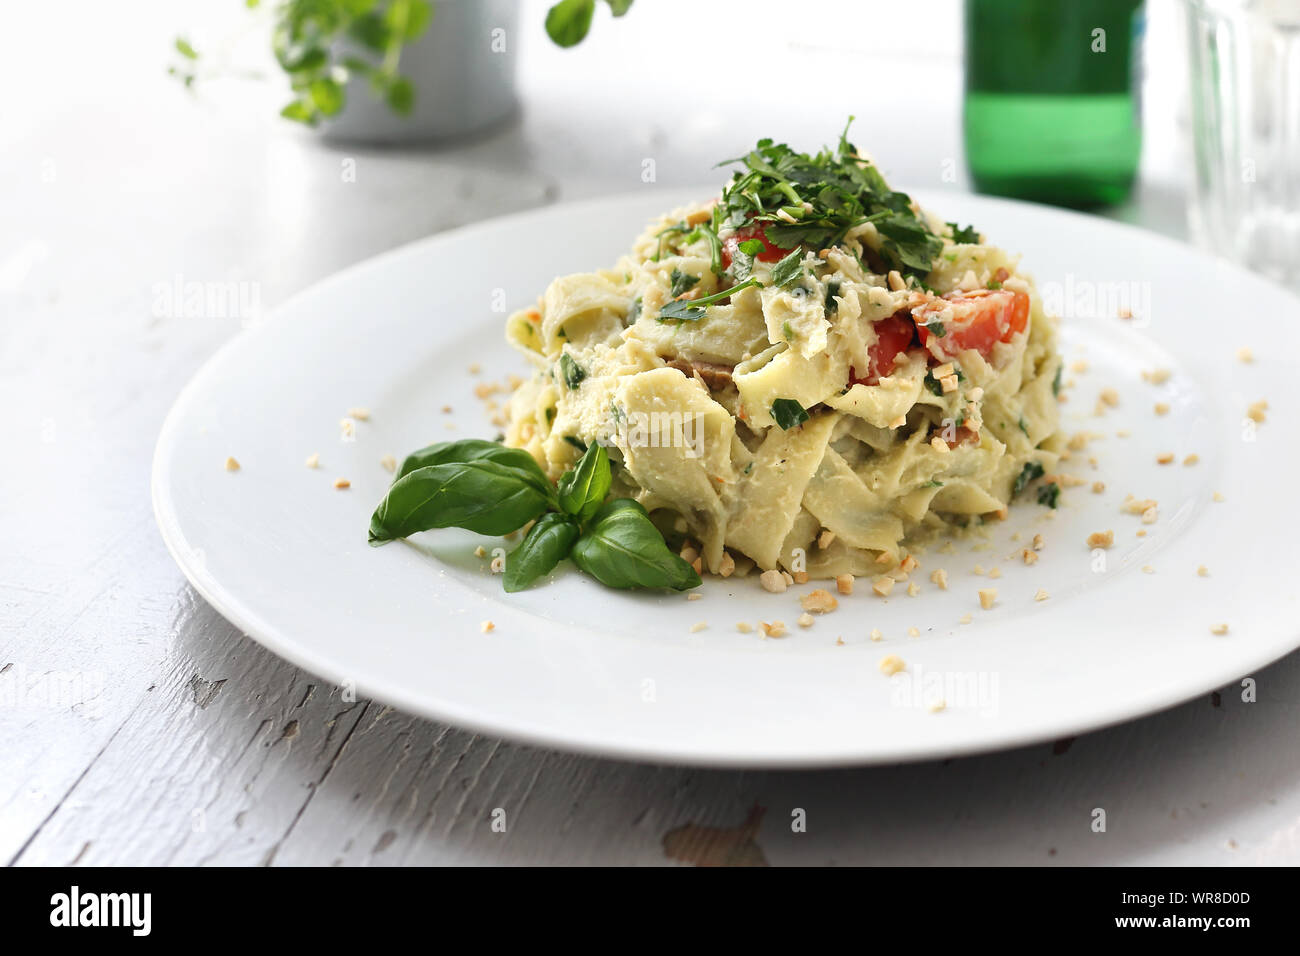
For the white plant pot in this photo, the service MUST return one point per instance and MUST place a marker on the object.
(463, 72)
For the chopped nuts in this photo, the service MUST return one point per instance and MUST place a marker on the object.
(940, 577)
(825, 538)
(876, 635)
(913, 589)
(804, 620)
(727, 566)
(819, 601)
(361, 414)
(995, 572)
(744, 627)
(1151, 515)
(487, 626)
(987, 597)
(1098, 487)
(1157, 376)
(775, 629)
(1244, 354)
(698, 626)
(695, 596)
(498, 564)
(882, 585)
(1041, 595)
(1219, 629)
(1191, 460)
(1256, 411)
(1029, 556)
(1162, 408)
(389, 463)
(1203, 571)
(913, 632)
(232, 465)
(1101, 539)
(1038, 542)
(341, 483)
(772, 581)
(313, 460)
(891, 664)
(844, 583)
(1164, 458)
(939, 445)
(1109, 396)
(799, 577)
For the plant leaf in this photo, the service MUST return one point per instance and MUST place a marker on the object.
(471, 449)
(568, 22)
(582, 489)
(622, 548)
(480, 495)
(547, 543)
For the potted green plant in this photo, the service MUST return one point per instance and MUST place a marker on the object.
(393, 71)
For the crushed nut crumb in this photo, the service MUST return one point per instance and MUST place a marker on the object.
(804, 620)
(844, 583)
(819, 601)
(487, 626)
(1101, 539)
(342, 483)
(891, 664)
(775, 629)
(773, 581)
(940, 577)
(987, 597)
(388, 463)
(313, 460)
(1219, 629)
(1041, 595)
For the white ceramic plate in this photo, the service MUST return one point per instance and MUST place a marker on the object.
(282, 554)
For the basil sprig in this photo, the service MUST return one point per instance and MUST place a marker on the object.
(622, 548)
(485, 487)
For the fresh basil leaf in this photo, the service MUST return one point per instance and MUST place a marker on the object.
(471, 449)
(481, 495)
(785, 272)
(583, 488)
(1032, 471)
(568, 22)
(547, 543)
(788, 413)
(622, 548)
(573, 372)
(682, 282)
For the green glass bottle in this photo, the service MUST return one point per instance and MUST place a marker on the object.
(1052, 110)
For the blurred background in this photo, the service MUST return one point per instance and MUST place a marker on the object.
(152, 143)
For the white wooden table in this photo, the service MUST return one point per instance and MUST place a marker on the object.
(139, 727)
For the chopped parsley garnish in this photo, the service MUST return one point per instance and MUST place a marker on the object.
(802, 200)
(577, 443)
(742, 261)
(692, 311)
(1032, 471)
(966, 234)
(788, 413)
(785, 272)
(787, 331)
(634, 311)
(936, 328)
(993, 284)
(1049, 494)
(1023, 427)
(933, 384)
(682, 282)
(933, 483)
(573, 372)
(1056, 382)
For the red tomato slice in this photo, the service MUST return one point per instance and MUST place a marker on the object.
(753, 230)
(893, 335)
(980, 319)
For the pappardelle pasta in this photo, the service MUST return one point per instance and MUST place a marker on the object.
(799, 374)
